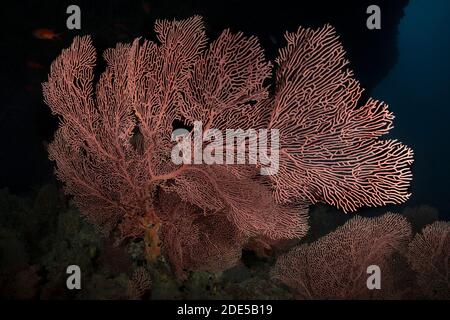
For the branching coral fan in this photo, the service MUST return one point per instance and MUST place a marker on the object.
(113, 145)
(429, 255)
(334, 267)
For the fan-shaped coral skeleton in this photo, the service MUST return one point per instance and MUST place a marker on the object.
(334, 267)
(112, 149)
(429, 256)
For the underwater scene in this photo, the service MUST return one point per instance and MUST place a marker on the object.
(225, 150)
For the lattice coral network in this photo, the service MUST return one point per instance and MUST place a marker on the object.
(113, 146)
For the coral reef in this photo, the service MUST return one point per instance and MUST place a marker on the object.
(34, 268)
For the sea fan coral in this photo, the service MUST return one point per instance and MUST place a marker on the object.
(113, 146)
(429, 256)
(330, 149)
(196, 241)
(334, 267)
(139, 284)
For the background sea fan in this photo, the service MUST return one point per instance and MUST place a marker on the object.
(429, 256)
(334, 267)
(113, 145)
(139, 284)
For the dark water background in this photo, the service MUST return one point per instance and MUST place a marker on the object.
(418, 92)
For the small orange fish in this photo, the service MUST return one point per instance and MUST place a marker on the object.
(34, 65)
(46, 34)
(120, 26)
(29, 88)
(147, 8)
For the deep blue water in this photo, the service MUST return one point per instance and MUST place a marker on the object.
(418, 92)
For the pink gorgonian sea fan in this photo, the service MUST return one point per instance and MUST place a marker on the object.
(429, 256)
(113, 146)
(335, 266)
